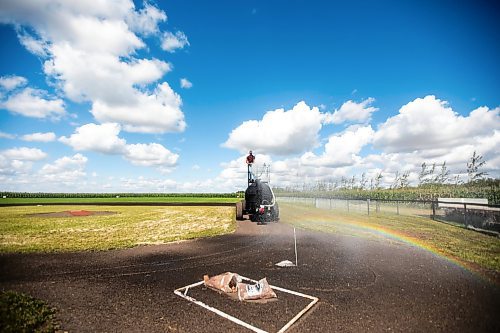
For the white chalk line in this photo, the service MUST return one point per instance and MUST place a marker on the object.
(240, 322)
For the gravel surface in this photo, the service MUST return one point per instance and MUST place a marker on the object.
(362, 285)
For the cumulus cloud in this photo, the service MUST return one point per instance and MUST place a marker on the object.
(23, 154)
(19, 160)
(4, 135)
(9, 167)
(171, 42)
(34, 103)
(145, 21)
(65, 169)
(429, 124)
(152, 154)
(400, 144)
(40, 137)
(233, 176)
(104, 138)
(279, 132)
(186, 84)
(353, 112)
(91, 55)
(11, 82)
(155, 113)
(101, 138)
(341, 149)
(38, 47)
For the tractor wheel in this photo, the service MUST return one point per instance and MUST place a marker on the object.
(276, 213)
(239, 211)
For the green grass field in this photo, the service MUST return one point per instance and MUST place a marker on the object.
(130, 226)
(35, 201)
(475, 250)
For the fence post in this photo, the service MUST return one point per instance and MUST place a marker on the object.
(330, 203)
(465, 215)
(368, 205)
(348, 205)
(397, 206)
(433, 206)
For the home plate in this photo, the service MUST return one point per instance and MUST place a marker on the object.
(183, 292)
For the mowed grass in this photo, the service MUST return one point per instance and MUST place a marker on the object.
(473, 249)
(129, 227)
(35, 201)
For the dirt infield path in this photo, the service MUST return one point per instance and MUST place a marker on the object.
(363, 285)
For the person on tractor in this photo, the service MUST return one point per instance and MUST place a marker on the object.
(250, 158)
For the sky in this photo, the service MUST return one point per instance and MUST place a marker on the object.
(169, 96)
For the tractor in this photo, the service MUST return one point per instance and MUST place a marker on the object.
(260, 203)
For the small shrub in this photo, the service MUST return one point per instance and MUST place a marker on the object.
(22, 313)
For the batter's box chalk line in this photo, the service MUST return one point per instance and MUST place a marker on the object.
(182, 292)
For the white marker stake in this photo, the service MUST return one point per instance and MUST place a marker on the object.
(295, 241)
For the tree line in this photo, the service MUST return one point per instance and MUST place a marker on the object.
(434, 180)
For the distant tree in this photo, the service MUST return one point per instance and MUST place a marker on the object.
(457, 181)
(352, 181)
(443, 176)
(395, 182)
(343, 183)
(363, 181)
(426, 172)
(403, 180)
(378, 179)
(473, 165)
(423, 174)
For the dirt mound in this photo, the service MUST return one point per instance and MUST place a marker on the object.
(72, 213)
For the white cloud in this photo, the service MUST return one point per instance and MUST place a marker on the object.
(34, 103)
(65, 169)
(353, 112)
(145, 21)
(186, 84)
(352, 151)
(105, 139)
(279, 132)
(429, 123)
(233, 176)
(342, 149)
(10, 167)
(19, 161)
(172, 42)
(156, 113)
(101, 138)
(24, 154)
(40, 137)
(11, 82)
(101, 77)
(152, 154)
(35, 45)
(4, 135)
(90, 52)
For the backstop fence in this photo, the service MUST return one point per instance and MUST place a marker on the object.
(471, 215)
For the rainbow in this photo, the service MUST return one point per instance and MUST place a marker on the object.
(366, 229)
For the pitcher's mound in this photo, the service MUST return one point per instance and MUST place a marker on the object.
(72, 213)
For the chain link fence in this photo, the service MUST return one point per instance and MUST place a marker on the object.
(471, 215)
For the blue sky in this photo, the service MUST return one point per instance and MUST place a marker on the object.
(170, 95)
